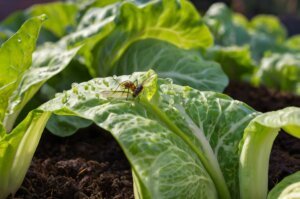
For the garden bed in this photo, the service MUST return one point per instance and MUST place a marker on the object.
(90, 164)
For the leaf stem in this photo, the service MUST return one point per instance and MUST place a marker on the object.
(213, 171)
(254, 161)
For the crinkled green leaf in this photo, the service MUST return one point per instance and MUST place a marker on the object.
(115, 27)
(91, 6)
(15, 56)
(289, 187)
(267, 35)
(280, 71)
(102, 3)
(153, 150)
(263, 33)
(262, 44)
(95, 15)
(220, 118)
(240, 19)
(95, 24)
(175, 141)
(180, 141)
(269, 25)
(256, 147)
(235, 61)
(225, 26)
(185, 67)
(293, 42)
(75, 72)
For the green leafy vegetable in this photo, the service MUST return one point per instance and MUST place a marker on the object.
(293, 42)
(185, 67)
(196, 117)
(256, 147)
(230, 28)
(117, 26)
(176, 114)
(15, 56)
(180, 142)
(20, 79)
(289, 187)
(17, 149)
(236, 61)
(256, 51)
(232, 38)
(269, 25)
(47, 62)
(112, 29)
(61, 19)
(226, 30)
(280, 71)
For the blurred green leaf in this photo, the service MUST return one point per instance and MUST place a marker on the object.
(228, 29)
(107, 32)
(185, 67)
(235, 61)
(280, 71)
(269, 25)
(61, 19)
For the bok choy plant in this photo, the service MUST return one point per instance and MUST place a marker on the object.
(180, 142)
(21, 76)
(121, 37)
(256, 50)
(15, 56)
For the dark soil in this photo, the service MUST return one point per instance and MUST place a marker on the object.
(261, 99)
(90, 164)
